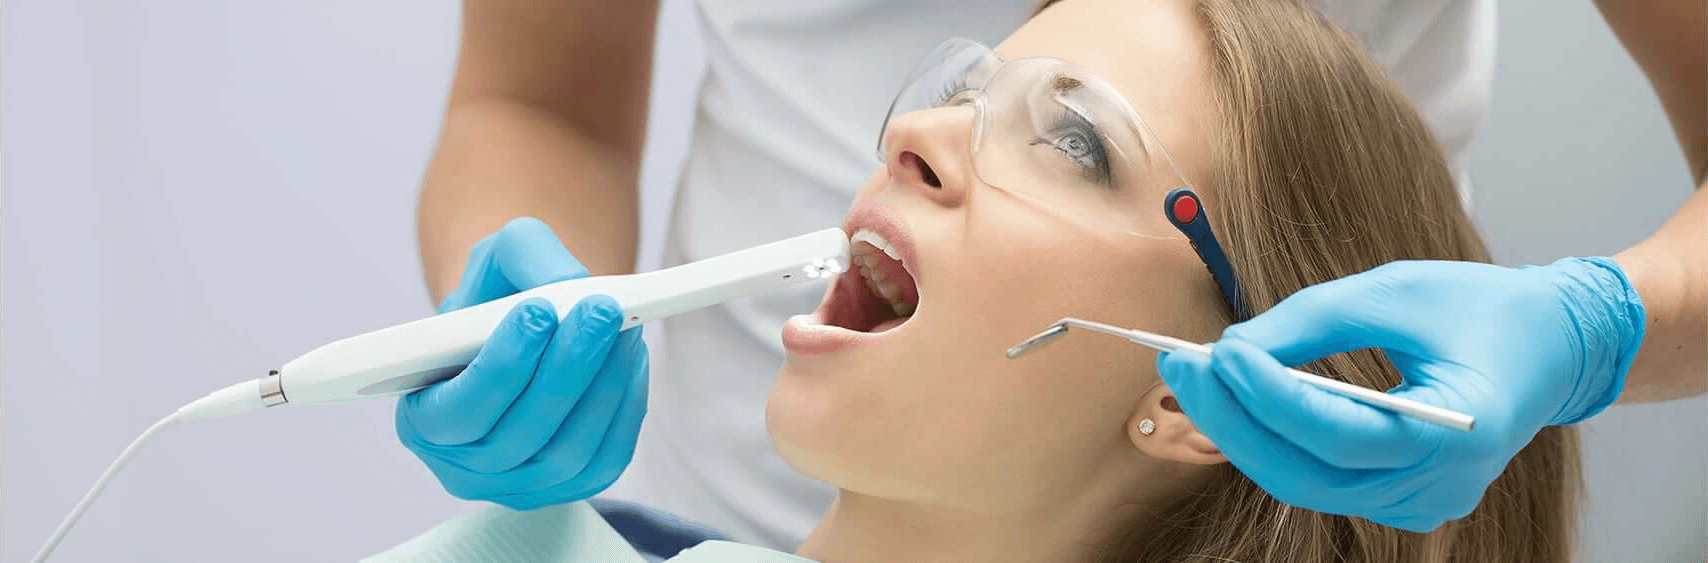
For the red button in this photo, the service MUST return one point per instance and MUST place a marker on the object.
(1185, 209)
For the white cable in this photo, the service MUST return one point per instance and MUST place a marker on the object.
(235, 399)
(101, 484)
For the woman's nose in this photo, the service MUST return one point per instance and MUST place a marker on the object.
(931, 151)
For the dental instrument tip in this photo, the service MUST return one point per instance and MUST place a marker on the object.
(1036, 341)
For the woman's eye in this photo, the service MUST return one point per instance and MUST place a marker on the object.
(1085, 151)
(1074, 145)
(949, 90)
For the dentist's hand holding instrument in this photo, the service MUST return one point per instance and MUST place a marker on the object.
(515, 406)
(1517, 348)
(549, 411)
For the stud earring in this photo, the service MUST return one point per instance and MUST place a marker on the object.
(1146, 427)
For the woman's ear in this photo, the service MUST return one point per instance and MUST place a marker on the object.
(1159, 429)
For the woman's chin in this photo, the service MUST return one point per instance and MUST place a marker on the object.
(795, 420)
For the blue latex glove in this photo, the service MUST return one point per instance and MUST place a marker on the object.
(548, 412)
(1519, 349)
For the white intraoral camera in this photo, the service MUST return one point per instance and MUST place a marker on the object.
(413, 355)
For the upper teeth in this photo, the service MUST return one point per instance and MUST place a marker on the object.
(865, 261)
(874, 239)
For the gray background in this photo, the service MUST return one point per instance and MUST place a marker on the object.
(196, 190)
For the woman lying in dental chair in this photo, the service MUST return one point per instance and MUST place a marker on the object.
(1027, 184)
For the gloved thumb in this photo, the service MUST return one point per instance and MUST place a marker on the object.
(530, 255)
(523, 255)
(472, 288)
(1365, 310)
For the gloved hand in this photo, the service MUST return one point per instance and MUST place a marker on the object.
(1518, 349)
(547, 412)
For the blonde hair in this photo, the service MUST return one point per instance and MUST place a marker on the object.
(1322, 169)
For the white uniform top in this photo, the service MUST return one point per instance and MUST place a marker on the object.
(789, 113)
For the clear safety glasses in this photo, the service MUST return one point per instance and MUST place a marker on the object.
(1048, 131)
(1064, 139)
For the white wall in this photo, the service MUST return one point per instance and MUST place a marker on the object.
(196, 190)
(193, 190)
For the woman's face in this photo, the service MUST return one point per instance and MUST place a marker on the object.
(931, 410)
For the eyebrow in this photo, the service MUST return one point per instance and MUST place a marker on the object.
(1064, 83)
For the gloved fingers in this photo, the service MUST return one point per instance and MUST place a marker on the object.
(1449, 385)
(1383, 493)
(464, 409)
(1283, 469)
(1452, 500)
(1332, 317)
(1383, 450)
(573, 438)
(615, 452)
(541, 481)
(1429, 507)
(471, 288)
(1360, 493)
(553, 397)
(524, 254)
(459, 481)
(530, 255)
(1403, 516)
(1415, 524)
(1333, 428)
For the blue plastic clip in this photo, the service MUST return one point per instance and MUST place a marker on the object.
(1186, 211)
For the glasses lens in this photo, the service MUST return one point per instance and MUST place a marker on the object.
(956, 66)
(1059, 135)
(1049, 133)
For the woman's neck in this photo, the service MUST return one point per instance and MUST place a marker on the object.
(862, 529)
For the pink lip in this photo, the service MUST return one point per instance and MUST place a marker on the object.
(880, 220)
(806, 334)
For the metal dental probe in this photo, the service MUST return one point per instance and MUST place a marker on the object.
(1428, 413)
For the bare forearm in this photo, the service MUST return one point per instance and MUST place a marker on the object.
(499, 159)
(1668, 40)
(1670, 269)
(1670, 272)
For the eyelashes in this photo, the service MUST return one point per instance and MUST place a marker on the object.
(949, 89)
(1070, 134)
(1078, 141)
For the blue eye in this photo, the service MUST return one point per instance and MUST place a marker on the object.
(1074, 145)
(1079, 142)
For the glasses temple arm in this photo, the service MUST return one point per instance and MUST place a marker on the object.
(1185, 210)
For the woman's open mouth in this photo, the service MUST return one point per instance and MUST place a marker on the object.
(877, 294)
(881, 293)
